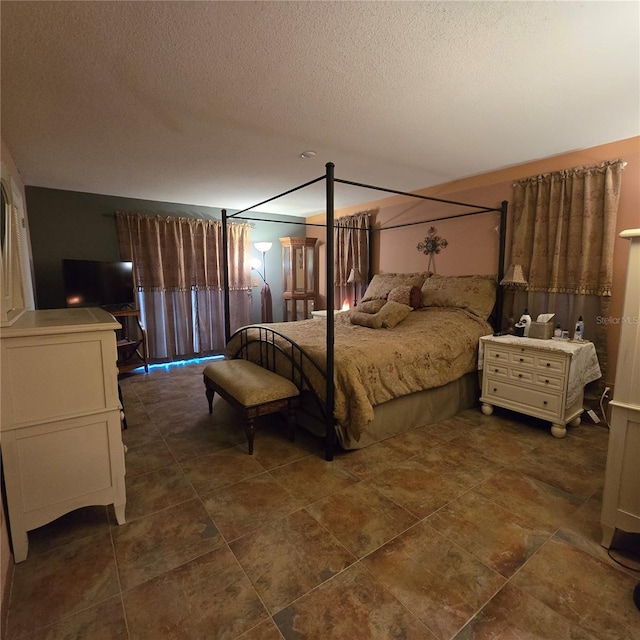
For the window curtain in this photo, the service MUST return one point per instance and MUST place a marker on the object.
(177, 266)
(351, 249)
(563, 234)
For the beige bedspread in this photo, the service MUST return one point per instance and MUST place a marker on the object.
(431, 347)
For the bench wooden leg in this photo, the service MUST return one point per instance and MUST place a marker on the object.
(210, 393)
(250, 430)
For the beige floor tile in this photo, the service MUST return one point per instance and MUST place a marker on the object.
(439, 582)
(155, 491)
(513, 614)
(153, 454)
(216, 470)
(531, 497)
(416, 488)
(209, 597)
(584, 590)
(313, 478)
(348, 607)
(50, 586)
(104, 621)
(289, 557)
(499, 538)
(361, 518)
(264, 631)
(461, 464)
(162, 541)
(249, 504)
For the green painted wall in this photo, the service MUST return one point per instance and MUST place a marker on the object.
(82, 226)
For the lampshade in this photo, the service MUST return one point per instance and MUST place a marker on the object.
(263, 247)
(514, 278)
(354, 277)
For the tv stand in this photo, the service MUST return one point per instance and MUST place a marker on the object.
(131, 341)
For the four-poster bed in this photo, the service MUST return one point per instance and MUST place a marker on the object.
(311, 362)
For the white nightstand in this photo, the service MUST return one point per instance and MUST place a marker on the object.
(541, 378)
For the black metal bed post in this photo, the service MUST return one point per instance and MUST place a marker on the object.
(330, 432)
(501, 252)
(225, 276)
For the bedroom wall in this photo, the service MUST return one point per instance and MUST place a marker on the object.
(473, 248)
(70, 224)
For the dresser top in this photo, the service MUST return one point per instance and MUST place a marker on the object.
(55, 321)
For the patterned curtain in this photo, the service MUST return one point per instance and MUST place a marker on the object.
(563, 233)
(351, 253)
(177, 265)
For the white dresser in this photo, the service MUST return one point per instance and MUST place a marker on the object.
(60, 428)
(541, 378)
(621, 496)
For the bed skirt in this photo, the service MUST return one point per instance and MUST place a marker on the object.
(416, 410)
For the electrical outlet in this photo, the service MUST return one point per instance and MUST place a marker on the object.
(593, 416)
(255, 282)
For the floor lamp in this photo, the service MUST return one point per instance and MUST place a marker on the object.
(265, 293)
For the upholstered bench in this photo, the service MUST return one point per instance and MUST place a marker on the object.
(253, 390)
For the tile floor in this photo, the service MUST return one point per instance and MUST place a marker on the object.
(475, 527)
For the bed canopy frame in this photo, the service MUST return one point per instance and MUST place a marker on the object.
(330, 181)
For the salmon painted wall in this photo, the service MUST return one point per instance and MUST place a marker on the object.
(473, 242)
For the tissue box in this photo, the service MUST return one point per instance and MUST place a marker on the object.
(541, 330)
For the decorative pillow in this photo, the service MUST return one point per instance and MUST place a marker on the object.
(406, 294)
(476, 294)
(373, 306)
(382, 283)
(371, 320)
(392, 313)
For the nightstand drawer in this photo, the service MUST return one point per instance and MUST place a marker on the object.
(498, 370)
(521, 398)
(552, 363)
(497, 354)
(522, 359)
(521, 375)
(549, 382)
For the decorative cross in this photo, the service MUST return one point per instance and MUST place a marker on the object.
(432, 244)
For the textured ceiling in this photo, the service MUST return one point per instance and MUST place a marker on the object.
(211, 103)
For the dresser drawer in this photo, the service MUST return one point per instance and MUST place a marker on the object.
(528, 400)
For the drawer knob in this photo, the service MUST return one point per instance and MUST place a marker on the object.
(519, 375)
(497, 355)
(494, 389)
(521, 359)
(496, 370)
(546, 382)
(544, 402)
(548, 364)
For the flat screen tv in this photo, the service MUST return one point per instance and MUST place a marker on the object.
(95, 283)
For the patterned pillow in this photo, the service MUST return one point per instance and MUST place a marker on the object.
(406, 294)
(382, 283)
(476, 294)
(371, 320)
(372, 306)
(393, 313)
